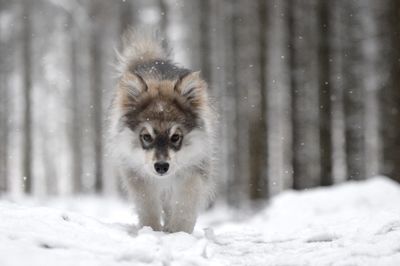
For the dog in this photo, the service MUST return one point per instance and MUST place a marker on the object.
(162, 135)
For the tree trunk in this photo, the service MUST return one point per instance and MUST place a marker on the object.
(339, 170)
(390, 99)
(280, 174)
(126, 16)
(96, 91)
(236, 193)
(304, 88)
(76, 122)
(205, 28)
(221, 82)
(27, 84)
(4, 129)
(6, 67)
(258, 125)
(375, 71)
(353, 92)
(325, 119)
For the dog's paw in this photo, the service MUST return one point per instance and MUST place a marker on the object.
(180, 226)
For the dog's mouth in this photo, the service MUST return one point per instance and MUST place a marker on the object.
(166, 175)
(161, 175)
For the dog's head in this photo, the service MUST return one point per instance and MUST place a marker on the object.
(162, 122)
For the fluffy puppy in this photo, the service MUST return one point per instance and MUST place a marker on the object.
(161, 135)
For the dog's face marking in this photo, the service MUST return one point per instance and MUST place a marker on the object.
(162, 115)
(161, 139)
(170, 138)
(160, 144)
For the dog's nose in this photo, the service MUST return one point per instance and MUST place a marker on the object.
(161, 167)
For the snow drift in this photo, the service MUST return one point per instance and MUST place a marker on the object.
(350, 224)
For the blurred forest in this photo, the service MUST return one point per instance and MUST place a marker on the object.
(308, 91)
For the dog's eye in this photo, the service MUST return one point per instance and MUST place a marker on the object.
(175, 138)
(147, 138)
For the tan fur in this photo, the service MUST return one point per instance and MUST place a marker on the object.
(163, 89)
(138, 46)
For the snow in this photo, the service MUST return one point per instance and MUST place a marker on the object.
(349, 224)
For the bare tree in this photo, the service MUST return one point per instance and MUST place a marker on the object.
(126, 15)
(76, 121)
(325, 95)
(390, 96)
(374, 72)
(250, 112)
(205, 41)
(6, 66)
(96, 15)
(339, 170)
(110, 39)
(258, 124)
(280, 170)
(353, 92)
(4, 129)
(236, 181)
(304, 87)
(27, 83)
(164, 21)
(105, 31)
(220, 90)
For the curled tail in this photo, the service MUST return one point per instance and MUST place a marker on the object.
(139, 46)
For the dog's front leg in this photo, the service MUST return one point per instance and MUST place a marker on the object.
(185, 203)
(147, 203)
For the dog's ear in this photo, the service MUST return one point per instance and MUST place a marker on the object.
(192, 88)
(131, 86)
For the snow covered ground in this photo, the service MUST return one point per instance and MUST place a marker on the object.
(350, 224)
